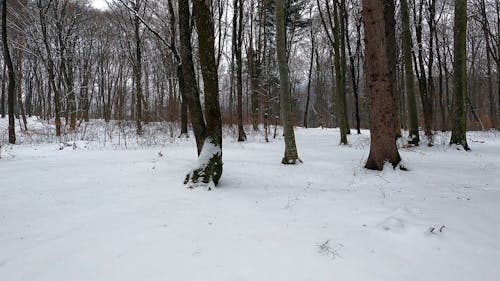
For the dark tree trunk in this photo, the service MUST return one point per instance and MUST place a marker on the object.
(414, 137)
(309, 80)
(50, 65)
(354, 77)
(2, 99)
(12, 80)
(138, 69)
(254, 72)
(486, 32)
(377, 14)
(210, 160)
(238, 26)
(20, 72)
(192, 93)
(459, 114)
(427, 102)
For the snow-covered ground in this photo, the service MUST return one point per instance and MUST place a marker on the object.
(96, 212)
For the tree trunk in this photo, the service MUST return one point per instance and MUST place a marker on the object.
(12, 80)
(379, 68)
(238, 29)
(459, 117)
(339, 60)
(138, 69)
(50, 65)
(354, 77)
(2, 99)
(414, 137)
(309, 80)
(209, 170)
(486, 32)
(291, 156)
(19, 83)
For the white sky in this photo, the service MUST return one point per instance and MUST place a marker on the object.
(100, 4)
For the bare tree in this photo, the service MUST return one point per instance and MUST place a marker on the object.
(291, 156)
(11, 73)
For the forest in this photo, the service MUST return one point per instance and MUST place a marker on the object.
(370, 129)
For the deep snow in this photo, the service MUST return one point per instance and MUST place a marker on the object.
(109, 213)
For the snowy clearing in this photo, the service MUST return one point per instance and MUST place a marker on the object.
(105, 213)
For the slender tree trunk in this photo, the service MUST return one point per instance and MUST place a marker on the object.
(339, 76)
(138, 69)
(376, 16)
(50, 65)
(459, 117)
(238, 21)
(291, 156)
(497, 5)
(11, 72)
(254, 71)
(311, 64)
(19, 84)
(486, 32)
(354, 77)
(421, 75)
(343, 61)
(414, 137)
(2, 100)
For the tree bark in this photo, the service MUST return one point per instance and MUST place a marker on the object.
(291, 156)
(459, 117)
(379, 69)
(354, 77)
(50, 65)
(2, 99)
(309, 80)
(414, 137)
(486, 32)
(210, 160)
(11, 72)
(238, 27)
(138, 69)
(192, 93)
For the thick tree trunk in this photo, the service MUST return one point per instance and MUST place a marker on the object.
(287, 115)
(414, 137)
(12, 80)
(459, 114)
(379, 69)
(192, 93)
(209, 170)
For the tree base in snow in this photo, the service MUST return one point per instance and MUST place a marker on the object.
(208, 176)
(290, 161)
(209, 168)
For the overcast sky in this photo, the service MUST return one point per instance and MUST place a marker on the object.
(100, 4)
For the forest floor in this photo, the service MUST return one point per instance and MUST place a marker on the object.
(108, 212)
